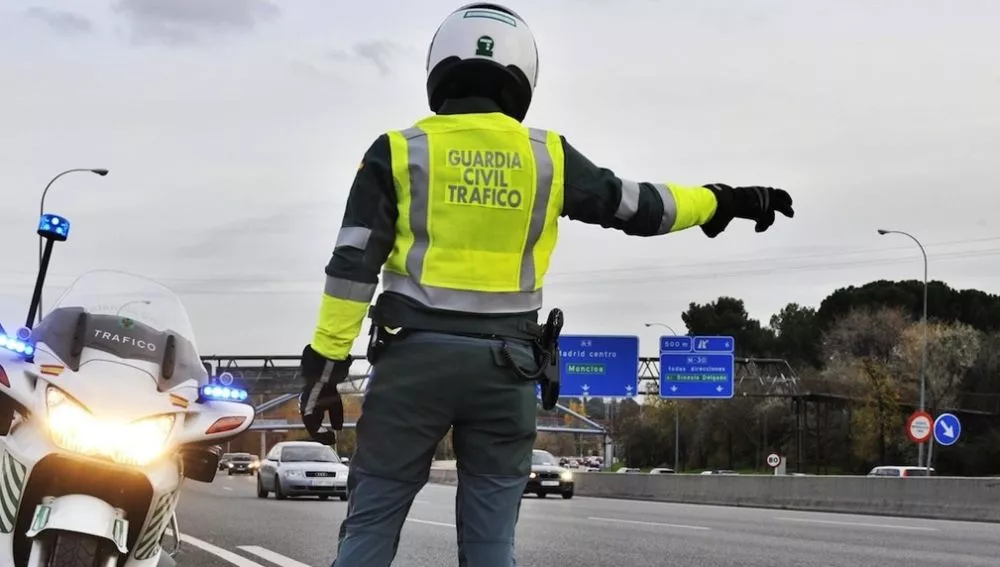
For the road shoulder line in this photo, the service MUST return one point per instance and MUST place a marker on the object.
(643, 523)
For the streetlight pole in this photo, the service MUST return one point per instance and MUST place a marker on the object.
(677, 412)
(41, 211)
(923, 355)
(664, 325)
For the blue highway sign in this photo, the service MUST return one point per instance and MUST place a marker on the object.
(947, 429)
(603, 366)
(714, 344)
(697, 367)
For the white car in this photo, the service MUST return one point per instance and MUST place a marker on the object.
(302, 468)
(900, 471)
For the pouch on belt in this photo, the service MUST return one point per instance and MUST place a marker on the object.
(547, 358)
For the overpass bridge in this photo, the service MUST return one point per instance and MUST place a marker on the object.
(274, 380)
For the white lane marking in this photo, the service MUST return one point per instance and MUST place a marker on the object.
(227, 488)
(219, 552)
(856, 524)
(276, 558)
(641, 523)
(430, 523)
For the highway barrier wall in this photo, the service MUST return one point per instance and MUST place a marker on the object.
(945, 498)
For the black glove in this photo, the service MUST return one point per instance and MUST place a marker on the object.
(754, 203)
(320, 395)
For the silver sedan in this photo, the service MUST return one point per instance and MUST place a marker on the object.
(302, 468)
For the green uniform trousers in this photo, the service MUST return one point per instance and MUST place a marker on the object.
(421, 386)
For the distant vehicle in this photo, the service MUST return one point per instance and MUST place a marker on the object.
(626, 470)
(900, 471)
(662, 470)
(302, 468)
(241, 463)
(547, 477)
(224, 460)
(720, 471)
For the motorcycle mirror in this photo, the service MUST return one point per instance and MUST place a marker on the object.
(169, 357)
(79, 339)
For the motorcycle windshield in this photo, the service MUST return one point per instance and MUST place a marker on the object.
(135, 319)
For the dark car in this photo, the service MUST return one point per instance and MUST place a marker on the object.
(547, 477)
(241, 463)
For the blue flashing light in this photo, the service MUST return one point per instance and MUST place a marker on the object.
(22, 347)
(54, 227)
(224, 393)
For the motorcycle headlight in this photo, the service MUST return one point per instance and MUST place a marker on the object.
(75, 429)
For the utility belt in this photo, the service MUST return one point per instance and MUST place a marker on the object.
(390, 323)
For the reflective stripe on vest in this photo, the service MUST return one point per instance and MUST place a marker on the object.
(480, 277)
(628, 205)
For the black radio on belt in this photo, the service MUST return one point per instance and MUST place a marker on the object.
(549, 344)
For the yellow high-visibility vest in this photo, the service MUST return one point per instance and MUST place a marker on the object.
(479, 198)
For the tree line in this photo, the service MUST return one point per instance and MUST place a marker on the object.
(859, 353)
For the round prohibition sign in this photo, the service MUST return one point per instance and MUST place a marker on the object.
(919, 427)
(773, 460)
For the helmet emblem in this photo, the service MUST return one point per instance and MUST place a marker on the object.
(484, 46)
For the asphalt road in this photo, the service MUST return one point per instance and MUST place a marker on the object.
(225, 524)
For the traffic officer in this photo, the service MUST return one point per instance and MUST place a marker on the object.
(459, 213)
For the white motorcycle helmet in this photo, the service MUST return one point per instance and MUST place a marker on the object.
(483, 49)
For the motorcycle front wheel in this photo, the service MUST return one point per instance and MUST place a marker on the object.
(70, 549)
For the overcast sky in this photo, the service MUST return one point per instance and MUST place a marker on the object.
(233, 129)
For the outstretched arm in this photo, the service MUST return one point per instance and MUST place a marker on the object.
(595, 195)
(366, 238)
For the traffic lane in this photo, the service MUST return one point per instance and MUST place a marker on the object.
(715, 535)
(302, 532)
(596, 531)
(191, 556)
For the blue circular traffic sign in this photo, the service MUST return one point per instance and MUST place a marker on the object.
(947, 429)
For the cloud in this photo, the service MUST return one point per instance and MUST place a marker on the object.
(61, 21)
(377, 52)
(252, 233)
(184, 21)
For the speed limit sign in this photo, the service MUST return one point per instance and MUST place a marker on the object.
(773, 460)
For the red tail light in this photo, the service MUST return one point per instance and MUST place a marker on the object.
(3, 377)
(224, 424)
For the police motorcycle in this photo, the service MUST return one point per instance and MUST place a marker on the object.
(105, 409)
